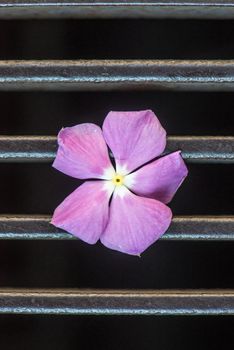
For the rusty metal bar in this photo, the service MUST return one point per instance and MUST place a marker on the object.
(118, 75)
(99, 302)
(116, 9)
(215, 149)
(182, 228)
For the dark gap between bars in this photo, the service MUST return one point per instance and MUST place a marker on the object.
(116, 39)
(38, 113)
(34, 188)
(26, 331)
(75, 264)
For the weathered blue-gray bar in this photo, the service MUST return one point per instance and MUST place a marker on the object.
(217, 149)
(223, 9)
(99, 302)
(117, 75)
(196, 228)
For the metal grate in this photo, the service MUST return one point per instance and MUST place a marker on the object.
(86, 75)
(119, 75)
(195, 149)
(92, 302)
(116, 8)
(216, 228)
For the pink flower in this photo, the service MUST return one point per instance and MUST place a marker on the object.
(126, 209)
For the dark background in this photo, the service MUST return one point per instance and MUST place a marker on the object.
(38, 189)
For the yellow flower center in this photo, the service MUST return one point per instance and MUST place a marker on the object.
(118, 180)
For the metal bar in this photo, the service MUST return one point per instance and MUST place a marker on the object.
(116, 9)
(215, 149)
(182, 228)
(118, 75)
(99, 302)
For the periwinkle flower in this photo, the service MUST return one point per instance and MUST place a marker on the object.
(126, 207)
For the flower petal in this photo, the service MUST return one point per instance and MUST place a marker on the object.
(134, 138)
(85, 212)
(159, 179)
(135, 222)
(83, 153)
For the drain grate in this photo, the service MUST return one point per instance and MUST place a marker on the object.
(172, 81)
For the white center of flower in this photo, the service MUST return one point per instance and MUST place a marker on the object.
(118, 180)
(117, 183)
